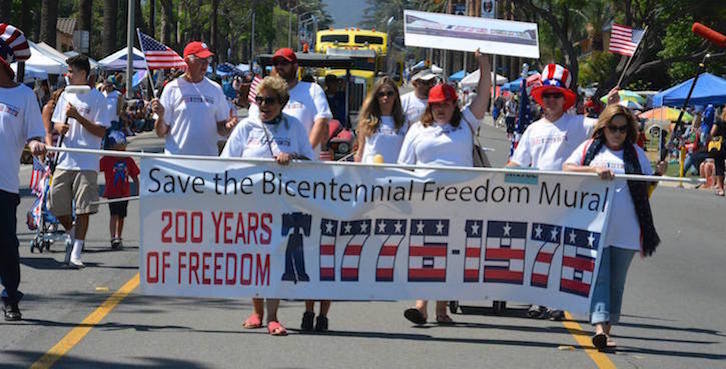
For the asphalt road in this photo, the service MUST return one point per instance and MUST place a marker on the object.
(673, 312)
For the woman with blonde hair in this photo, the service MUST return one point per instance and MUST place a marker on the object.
(613, 151)
(271, 134)
(381, 124)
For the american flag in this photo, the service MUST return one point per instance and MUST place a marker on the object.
(158, 55)
(624, 40)
(253, 90)
(578, 261)
(38, 177)
(504, 252)
(328, 229)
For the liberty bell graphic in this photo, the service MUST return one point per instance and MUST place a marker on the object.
(299, 223)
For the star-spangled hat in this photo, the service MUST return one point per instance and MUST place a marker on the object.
(13, 47)
(555, 78)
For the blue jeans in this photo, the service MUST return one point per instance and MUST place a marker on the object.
(607, 297)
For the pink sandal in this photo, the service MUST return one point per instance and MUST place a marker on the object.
(276, 329)
(254, 321)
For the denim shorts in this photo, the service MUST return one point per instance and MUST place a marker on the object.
(607, 297)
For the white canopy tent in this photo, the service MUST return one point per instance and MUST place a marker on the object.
(31, 73)
(40, 61)
(51, 52)
(117, 60)
(472, 79)
(94, 63)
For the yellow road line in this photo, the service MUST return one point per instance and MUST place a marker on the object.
(79, 332)
(601, 360)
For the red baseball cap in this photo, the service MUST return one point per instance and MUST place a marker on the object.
(442, 92)
(285, 53)
(198, 49)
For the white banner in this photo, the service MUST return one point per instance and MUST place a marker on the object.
(348, 232)
(456, 32)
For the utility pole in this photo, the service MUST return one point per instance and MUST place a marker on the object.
(130, 50)
(252, 44)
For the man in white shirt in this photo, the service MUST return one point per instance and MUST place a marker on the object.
(192, 110)
(82, 118)
(307, 103)
(414, 103)
(20, 122)
(548, 142)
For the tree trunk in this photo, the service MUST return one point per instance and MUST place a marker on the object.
(152, 18)
(48, 18)
(167, 7)
(214, 36)
(110, 13)
(139, 17)
(85, 20)
(26, 21)
(6, 11)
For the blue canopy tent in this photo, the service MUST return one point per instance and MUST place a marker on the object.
(709, 89)
(456, 77)
(513, 86)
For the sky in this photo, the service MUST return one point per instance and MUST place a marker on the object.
(345, 13)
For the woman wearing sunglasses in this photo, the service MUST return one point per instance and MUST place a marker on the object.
(613, 151)
(271, 134)
(381, 124)
(445, 136)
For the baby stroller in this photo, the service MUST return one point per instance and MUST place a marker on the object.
(39, 219)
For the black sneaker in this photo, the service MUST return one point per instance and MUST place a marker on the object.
(537, 312)
(12, 312)
(556, 315)
(321, 324)
(116, 243)
(307, 321)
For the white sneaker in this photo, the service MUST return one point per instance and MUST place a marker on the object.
(76, 263)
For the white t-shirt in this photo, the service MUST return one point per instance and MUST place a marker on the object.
(386, 141)
(545, 145)
(92, 106)
(250, 139)
(192, 111)
(307, 103)
(112, 104)
(413, 107)
(624, 230)
(19, 121)
(440, 144)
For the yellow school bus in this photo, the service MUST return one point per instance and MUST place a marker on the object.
(369, 48)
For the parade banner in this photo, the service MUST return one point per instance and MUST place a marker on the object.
(353, 232)
(461, 33)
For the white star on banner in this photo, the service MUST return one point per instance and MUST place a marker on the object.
(347, 227)
(507, 228)
(573, 236)
(328, 227)
(382, 226)
(553, 234)
(398, 226)
(363, 227)
(419, 227)
(474, 228)
(590, 240)
(439, 227)
(538, 231)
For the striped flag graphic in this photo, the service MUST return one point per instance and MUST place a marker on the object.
(578, 261)
(428, 246)
(548, 237)
(356, 232)
(328, 230)
(253, 89)
(472, 254)
(504, 254)
(394, 231)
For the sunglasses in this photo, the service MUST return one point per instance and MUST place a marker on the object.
(387, 93)
(615, 129)
(554, 95)
(194, 58)
(267, 100)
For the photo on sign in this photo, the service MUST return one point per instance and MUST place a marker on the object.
(488, 8)
(454, 32)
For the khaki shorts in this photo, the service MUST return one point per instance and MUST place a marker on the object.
(79, 187)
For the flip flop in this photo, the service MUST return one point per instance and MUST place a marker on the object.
(611, 344)
(719, 192)
(253, 321)
(600, 341)
(415, 316)
(444, 320)
(274, 328)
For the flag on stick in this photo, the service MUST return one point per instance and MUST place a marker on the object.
(253, 89)
(624, 40)
(158, 55)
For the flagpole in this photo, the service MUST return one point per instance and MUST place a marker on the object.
(148, 71)
(627, 65)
